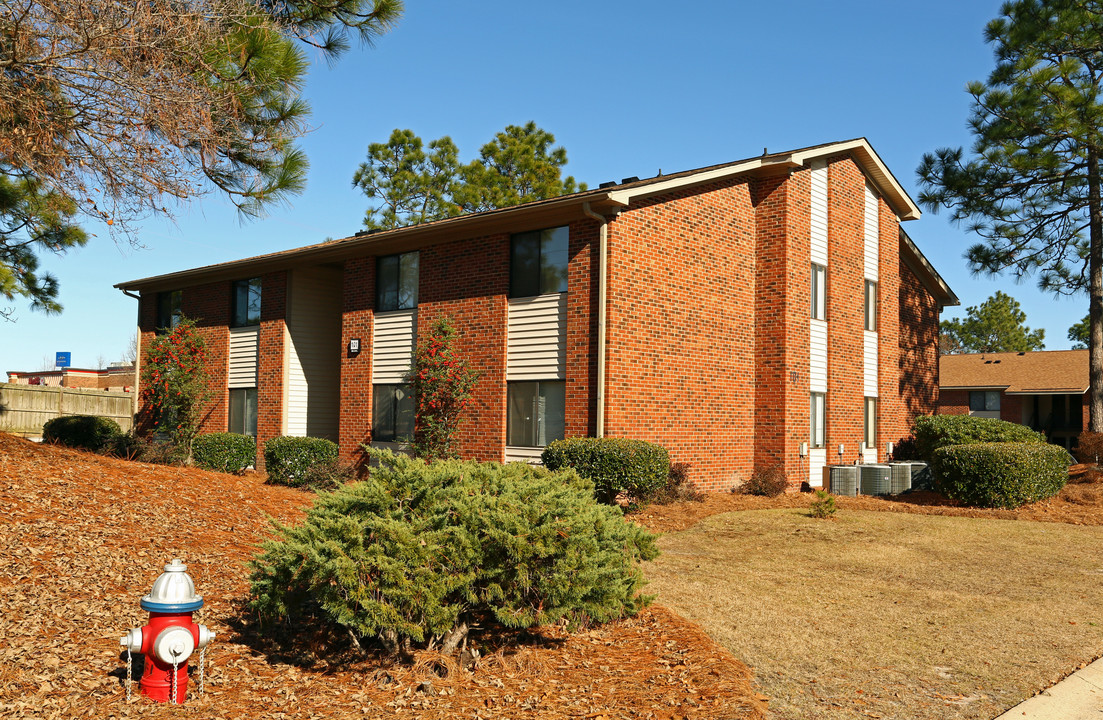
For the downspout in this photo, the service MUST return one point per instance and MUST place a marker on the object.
(603, 236)
(137, 360)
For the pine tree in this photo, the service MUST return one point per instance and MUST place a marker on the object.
(1080, 334)
(996, 325)
(1031, 188)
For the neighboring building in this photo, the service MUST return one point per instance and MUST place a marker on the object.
(1044, 390)
(118, 377)
(734, 314)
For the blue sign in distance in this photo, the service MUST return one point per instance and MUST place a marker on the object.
(62, 359)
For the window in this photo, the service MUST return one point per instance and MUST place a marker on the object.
(392, 413)
(169, 310)
(869, 417)
(245, 303)
(871, 305)
(396, 280)
(538, 262)
(817, 420)
(984, 400)
(537, 412)
(243, 411)
(819, 292)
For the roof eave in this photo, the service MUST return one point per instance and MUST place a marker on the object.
(918, 263)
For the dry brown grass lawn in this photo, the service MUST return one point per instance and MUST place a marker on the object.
(887, 614)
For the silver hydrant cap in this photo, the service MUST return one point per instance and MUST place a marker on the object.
(173, 591)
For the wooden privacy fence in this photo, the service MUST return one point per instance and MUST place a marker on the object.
(24, 409)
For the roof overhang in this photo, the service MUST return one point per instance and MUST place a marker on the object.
(918, 263)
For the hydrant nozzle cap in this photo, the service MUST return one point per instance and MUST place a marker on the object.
(173, 591)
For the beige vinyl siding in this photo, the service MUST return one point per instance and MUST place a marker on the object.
(314, 352)
(817, 360)
(817, 459)
(524, 454)
(244, 344)
(872, 235)
(869, 362)
(393, 340)
(537, 334)
(819, 212)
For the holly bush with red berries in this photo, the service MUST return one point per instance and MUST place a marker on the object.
(174, 384)
(442, 384)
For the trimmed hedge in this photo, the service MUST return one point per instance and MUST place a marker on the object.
(1002, 474)
(615, 465)
(287, 459)
(224, 452)
(81, 431)
(421, 551)
(937, 431)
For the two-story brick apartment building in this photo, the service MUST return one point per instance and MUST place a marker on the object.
(736, 314)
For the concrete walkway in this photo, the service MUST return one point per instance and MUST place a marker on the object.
(1077, 697)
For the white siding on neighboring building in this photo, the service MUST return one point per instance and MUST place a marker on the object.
(817, 459)
(314, 352)
(870, 363)
(537, 338)
(244, 343)
(394, 339)
(872, 235)
(819, 212)
(817, 360)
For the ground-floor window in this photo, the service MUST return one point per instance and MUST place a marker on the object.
(817, 420)
(243, 411)
(984, 400)
(392, 413)
(870, 422)
(537, 413)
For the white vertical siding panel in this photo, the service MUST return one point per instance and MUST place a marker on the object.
(314, 356)
(817, 360)
(817, 459)
(872, 235)
(819, 212)
(524, 454)
(244, 344)
(537, 338)
(870, 363)
(393, 341)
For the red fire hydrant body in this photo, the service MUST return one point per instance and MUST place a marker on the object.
(170, 637)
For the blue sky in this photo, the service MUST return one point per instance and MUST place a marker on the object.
(628, 88)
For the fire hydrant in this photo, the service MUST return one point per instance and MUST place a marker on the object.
(170, 637)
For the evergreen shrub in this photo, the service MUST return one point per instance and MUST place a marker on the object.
(1002, 474)
(88, 432)
(937, 431)
(287, 459)
(614, 465)
(418, 552)
(224, 452)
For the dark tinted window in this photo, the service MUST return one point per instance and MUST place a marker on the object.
(538, 262)
(392, 413)
(396, 279)
(169, 309)
(246, 303)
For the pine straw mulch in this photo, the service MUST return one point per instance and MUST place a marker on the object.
(85, 536)
(1080, 502)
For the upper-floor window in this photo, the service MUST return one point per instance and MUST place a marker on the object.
(538, 262)
(245, 302)
(396, 278)
(819, 292)
(871, 305)
(169, 310)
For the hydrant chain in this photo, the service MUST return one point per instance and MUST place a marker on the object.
(174, 670)
(129, 675)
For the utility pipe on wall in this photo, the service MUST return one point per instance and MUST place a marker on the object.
(602, 257)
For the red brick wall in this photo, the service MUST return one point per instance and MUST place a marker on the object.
(918, 347)
(681, 321)
(845, 309)
(271, 361)
(953, 402)
(468, 280)
(892, 420)
(1011, 407)
(582, 337)
(356, 390)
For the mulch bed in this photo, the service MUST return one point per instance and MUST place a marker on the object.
(85, 536)
(1079, 503)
